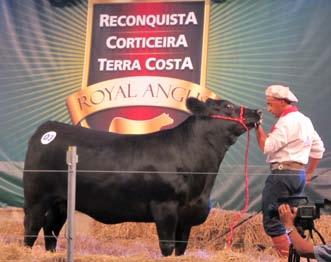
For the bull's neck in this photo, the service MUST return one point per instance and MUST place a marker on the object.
(213, 134)
(208, 143)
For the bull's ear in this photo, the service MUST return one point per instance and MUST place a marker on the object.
(209, 101)
(196, 106)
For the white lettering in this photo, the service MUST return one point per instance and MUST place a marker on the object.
(118, 65)
(104, 20)
(114, 42)
(153, 64)
(148, 20)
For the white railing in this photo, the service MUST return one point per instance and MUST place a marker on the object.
(72, 160)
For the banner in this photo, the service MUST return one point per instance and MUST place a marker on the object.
(142, 60)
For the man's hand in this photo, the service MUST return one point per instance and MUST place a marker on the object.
(257, 124)
(286, 215)
(312, 165)
(308, 178)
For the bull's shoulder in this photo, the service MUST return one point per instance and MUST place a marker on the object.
(68, 131)
(54, 126)
(80, 135)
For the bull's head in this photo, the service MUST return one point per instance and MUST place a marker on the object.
(245, 118)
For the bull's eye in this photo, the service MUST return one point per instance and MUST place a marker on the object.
(229, 107)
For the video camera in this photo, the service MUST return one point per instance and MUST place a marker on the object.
(304, 220)
(306, 212)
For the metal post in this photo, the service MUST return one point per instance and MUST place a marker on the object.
(72, 160)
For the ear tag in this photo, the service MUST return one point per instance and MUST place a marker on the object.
(48, 137)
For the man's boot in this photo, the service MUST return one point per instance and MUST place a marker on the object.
(281, 244)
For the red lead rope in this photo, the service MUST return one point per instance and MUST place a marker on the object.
(240, 120)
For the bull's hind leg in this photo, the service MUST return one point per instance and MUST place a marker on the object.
(182, 236)
(33, 221)
(55, 218)
(165, 217)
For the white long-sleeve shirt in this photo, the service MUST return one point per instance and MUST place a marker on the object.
(293, 138)
(323, 253)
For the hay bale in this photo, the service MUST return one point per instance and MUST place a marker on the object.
(210, 234)
(132, 242)
(126, 230)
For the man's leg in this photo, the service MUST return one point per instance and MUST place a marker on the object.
(274, 189)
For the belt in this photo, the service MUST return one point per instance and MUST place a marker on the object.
(288, 165)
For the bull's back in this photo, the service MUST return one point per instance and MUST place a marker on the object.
(48, 145)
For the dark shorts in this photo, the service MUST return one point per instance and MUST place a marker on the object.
(280, 183)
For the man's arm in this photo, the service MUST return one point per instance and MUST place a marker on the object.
(312, 165)
(316, 153)
(261, 136)
(302, 246)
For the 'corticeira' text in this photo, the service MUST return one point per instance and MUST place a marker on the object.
(114, 42)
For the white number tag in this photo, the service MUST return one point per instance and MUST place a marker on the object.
(48, 137)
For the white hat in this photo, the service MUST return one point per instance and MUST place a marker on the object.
(281, 92)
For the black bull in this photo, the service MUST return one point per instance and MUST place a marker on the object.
(176, 172)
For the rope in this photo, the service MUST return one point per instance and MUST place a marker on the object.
(241, 222)
(240, 120)
(121, 171)
(244, 210)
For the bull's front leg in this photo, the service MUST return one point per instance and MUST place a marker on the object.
(165, 217)
(33, 221)
(55, 218)
(182, 236)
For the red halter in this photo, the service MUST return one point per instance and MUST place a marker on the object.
(239, 119)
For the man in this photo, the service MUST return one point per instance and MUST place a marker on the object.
(304, 248)
(291, 144)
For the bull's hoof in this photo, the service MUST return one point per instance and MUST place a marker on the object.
(166, 253)
(52, 250)
(50, 245)
(167, 249)
(28, 246)
(179, 251)
(28, 242)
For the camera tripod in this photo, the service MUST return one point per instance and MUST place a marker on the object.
(293, 255)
